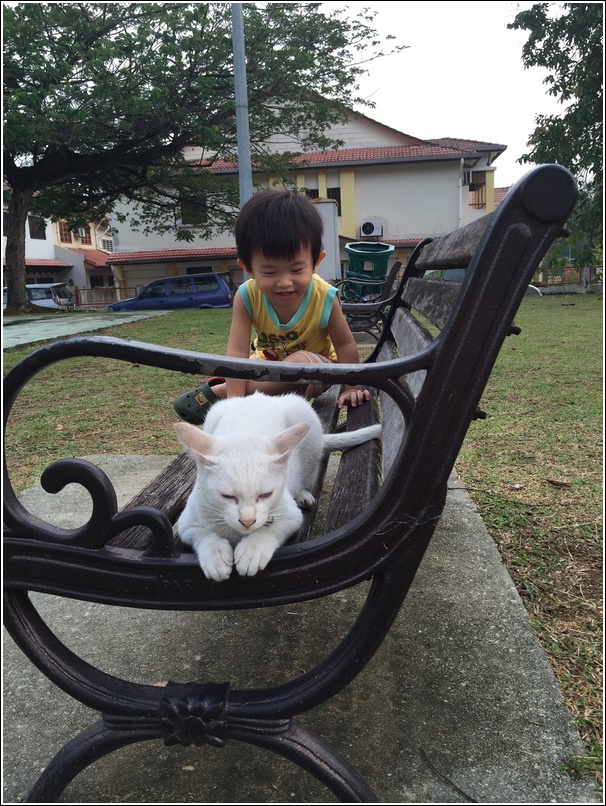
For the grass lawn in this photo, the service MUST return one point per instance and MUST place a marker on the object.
(533, 468)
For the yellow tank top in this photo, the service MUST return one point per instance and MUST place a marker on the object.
(307, 330)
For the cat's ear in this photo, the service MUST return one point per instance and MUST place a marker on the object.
(286, 440)
(202, 444)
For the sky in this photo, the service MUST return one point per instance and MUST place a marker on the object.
(461, 76)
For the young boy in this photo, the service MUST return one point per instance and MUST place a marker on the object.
(295, 313)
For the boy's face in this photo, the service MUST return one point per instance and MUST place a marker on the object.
(284, 282)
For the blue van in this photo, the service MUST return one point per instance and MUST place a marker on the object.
(173, 293)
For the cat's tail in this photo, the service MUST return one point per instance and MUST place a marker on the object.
(349, 439)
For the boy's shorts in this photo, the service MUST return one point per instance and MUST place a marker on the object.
(314, 389)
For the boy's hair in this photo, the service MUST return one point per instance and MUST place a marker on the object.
(278, 224)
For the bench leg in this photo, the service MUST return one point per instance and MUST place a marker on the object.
(309, 752)
(83, 750)
(295, 743)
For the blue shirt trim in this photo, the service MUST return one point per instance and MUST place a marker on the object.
(327, 309)
(246, 299)
(297, 315)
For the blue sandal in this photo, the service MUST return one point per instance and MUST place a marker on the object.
(193, 406)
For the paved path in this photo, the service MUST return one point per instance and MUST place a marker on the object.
(17, 330)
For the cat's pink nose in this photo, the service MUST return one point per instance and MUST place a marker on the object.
(247, 522)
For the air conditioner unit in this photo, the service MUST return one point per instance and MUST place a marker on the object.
(82, 232)
(371, 227)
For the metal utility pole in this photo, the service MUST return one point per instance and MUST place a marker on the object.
(243, 134)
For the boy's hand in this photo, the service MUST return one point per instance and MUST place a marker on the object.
(353, 396)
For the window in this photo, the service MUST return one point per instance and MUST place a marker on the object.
(63, 292)
(180, 286)
(40, 294)
(37, 227)
(193, 212)
(335, 193)
(155, 290)
(477, 190)
(65, 234)
(85, 236)
(312, 194)
(206, 284)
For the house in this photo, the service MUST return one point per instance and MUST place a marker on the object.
(385, 186)
(55, 253)
(88, 248)
(42, 264)
(380, 185)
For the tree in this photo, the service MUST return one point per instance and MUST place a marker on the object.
(101, 98)
(566, 38)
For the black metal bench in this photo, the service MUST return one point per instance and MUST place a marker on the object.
(429, 368)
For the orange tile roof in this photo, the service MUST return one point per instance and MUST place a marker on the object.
(171, 254)
(44, 264)
(94, 256)
(446, 149)
(467, 145)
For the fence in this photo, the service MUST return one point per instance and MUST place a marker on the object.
(569, 275)
(101, 296)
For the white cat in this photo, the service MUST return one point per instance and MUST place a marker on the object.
(255, 459)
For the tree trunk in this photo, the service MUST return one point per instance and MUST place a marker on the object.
(18, 208)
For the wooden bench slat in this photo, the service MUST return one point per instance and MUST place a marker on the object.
(168, 492)
(358, 477)
(455, 250)
(326, 409)
(433, 299)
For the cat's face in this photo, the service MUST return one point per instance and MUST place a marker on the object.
(246, 495)
(242, 476)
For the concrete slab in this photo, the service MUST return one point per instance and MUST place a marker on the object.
(19, 330)
(459, 704)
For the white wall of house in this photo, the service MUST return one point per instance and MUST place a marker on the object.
(410, 199)
(36, 248)
(359, 132)
(126, 239)
(78, 273)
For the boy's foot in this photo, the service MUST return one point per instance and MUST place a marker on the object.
(194, 405)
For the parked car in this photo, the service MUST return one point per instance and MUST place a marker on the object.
(57, 296)
(173, 293)
(458, 275)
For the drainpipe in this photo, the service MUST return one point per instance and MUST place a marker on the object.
(460, 203)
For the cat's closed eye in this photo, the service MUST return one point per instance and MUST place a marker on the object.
(265, 495)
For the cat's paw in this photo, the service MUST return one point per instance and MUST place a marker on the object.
(216, 559)
(305, 499)
(253, 553)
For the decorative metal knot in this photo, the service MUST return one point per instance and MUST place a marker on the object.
(193, 713)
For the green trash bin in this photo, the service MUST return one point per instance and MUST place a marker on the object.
(367, 261)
